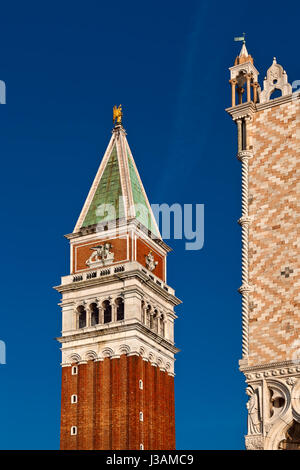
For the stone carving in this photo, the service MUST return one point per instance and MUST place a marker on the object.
(273, 405)
(101, 256)
(254, 442)
(276, 79)
(292, 437)
(254, 421)
(279, 399)
(291, 381)
(150, 263)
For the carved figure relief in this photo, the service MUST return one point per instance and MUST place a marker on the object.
(150, 263)
(101, 256)
(254, 419)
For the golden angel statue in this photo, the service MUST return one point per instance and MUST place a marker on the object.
(117, 114)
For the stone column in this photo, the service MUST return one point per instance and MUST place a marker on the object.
(248, 78)
(255, 87)
(113, 311)
(240, 138)
(88, 315)
(233, 85)
(244, 221)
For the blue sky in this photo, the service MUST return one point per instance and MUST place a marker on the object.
(65, 64)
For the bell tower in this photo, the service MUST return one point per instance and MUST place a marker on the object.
(118, 316)
(268, 131)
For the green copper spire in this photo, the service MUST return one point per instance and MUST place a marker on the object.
(117, 192)
(107, 196)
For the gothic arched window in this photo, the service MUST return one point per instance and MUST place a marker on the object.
(94, 314)
(81, 316)
(106, 311)
(120, 309)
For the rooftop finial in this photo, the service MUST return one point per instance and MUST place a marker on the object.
(117, 114)
(243, 56)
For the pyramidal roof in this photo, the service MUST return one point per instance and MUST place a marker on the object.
(243, 56)
(117, 192)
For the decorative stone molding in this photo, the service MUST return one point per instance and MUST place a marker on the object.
(291, 381)
(276, 79)
(107, 352)
(245, 289)
(244, 154)
(242, 110)
(151, 357)
(276, 368)
(124, 349)
(245, 221)
(90, 355)
(159, 361)
(74, 358)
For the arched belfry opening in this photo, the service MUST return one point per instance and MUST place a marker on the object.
(94, 314)
(244, 79)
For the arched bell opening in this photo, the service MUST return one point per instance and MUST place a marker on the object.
(94, 314)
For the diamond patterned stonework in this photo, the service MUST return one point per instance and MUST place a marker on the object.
(269, 151)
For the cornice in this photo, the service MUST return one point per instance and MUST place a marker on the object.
(135, 273)
(139, 327)
(273, 365)
(241, 110)
(249, 108)
(119, 225)
(278, 101)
